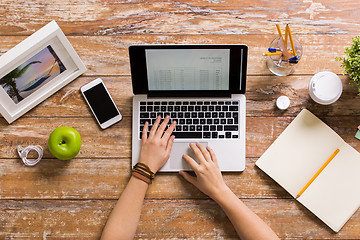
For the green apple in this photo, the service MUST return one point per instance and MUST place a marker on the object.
(64, 143)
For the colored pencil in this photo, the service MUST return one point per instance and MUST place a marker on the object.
(318, 172)
(291, 40)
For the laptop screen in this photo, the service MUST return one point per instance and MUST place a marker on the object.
(188, 70)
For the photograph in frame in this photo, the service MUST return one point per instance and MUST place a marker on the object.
(35, 69)
(32, 74)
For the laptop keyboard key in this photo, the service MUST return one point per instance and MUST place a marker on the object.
(187, 134)
(214, 135)
(233, 108)
(231, 128)
(206, 135)
(144, 115)
(228, 134)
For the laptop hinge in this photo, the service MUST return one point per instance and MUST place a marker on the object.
(187, 94)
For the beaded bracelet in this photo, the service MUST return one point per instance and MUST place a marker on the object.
(143, 172)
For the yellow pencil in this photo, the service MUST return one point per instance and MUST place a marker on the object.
(318, 172)
(272, 53)
(286, 35)
(282, 43)
(291, 40)
(279, 31)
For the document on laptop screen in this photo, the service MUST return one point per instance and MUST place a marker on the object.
(188, 69)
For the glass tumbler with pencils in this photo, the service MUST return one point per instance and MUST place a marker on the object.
(283, 53)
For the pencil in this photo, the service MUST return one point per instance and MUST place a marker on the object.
(286, 54)
(317, 173)
(272, 53)
(279, 31)
(291, 40)
(286, 35)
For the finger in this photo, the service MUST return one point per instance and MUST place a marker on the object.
(204, 152)
(198, 153)
(213, 156)
(193, 164)
(169, 131)
(155, 126)
(144, 132)
(188, 178)
(162, 127)
(170, 144)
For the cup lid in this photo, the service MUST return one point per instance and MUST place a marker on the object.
(325, 87)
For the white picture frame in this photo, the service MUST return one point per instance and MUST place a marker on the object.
(35, 69)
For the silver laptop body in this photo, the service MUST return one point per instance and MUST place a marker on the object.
(201, 87)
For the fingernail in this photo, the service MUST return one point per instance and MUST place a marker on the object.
(167, 116)
(158, 117)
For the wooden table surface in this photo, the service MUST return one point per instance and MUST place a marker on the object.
(73, 199)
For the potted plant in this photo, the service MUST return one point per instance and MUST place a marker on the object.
(351, 62)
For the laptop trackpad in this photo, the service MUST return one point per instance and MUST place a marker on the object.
(178, 149)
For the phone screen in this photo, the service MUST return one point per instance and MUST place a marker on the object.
(101, 103)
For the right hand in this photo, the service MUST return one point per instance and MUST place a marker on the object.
(208, 176)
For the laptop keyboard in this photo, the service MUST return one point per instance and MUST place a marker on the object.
(195, 119)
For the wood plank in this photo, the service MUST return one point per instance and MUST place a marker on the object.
(178, 17)
(261, 95)
(115, 141)
(108, 55)
(107, 178)
(202, 219)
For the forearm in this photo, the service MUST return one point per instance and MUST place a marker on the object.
(125, 216)
(247, 224)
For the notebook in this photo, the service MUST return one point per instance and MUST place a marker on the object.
(298, 154)
(201, 87)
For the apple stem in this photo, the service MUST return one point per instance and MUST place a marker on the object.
(62, 142)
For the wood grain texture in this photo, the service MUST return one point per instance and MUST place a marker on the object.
(115, 142)
(87, 17)
(106, 179)
(73, 199)
(194, 219)
(108, 55)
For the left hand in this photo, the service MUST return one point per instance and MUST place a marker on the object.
(156, 148)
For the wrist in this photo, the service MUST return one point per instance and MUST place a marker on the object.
(140, 183)
(151, 166)
(222, 194)
(143, 172)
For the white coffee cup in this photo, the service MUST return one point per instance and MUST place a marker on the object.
(325, 88)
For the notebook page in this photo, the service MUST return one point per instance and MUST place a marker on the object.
(298, 153)
(334, 196)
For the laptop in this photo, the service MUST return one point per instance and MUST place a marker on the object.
(202, 88)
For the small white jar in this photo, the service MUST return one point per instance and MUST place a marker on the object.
(283, 102)
(325, 88)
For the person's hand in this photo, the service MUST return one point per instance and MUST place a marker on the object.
(208, 176)
(156, 148)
